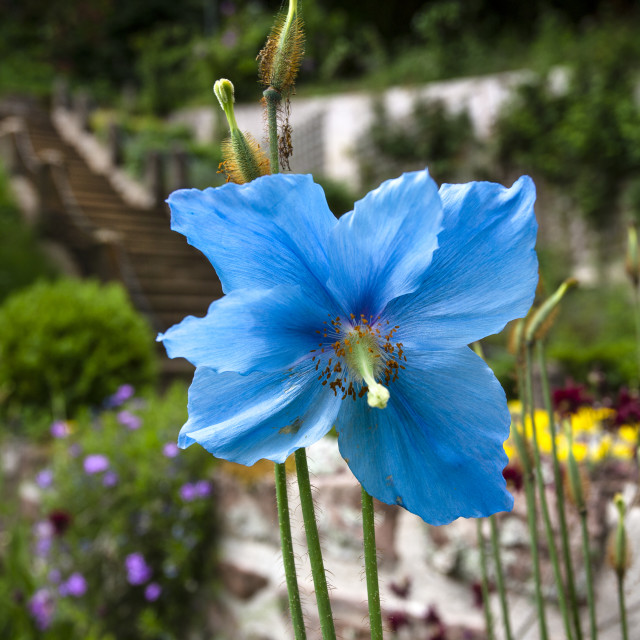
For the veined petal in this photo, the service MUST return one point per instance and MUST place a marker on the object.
(250, 330)
(437, 448)
(267, 232)
(381, 249)
(260, 415)
(484, 273)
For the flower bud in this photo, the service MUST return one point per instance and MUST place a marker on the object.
(243, 160)
(577, 480)
(280, 57)
(542, 319)
(618, 552)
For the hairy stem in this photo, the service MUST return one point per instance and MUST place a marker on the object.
(559, 487)
(588, 574)
(553, 552)
(313, 542)
(495, 544)
(287, 553)
(486, 605)
(273, 98)
(371, 566)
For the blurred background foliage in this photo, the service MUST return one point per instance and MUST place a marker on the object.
(576, 130)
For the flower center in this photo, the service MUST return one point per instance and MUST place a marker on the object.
(364, 354)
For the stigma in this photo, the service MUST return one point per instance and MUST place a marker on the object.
(364, 356)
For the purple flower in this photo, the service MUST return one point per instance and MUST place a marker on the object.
(170, 450)
(96, 463)
(229, 38)
(202, 489)
(138, 571)
(45, 478)
(152, 591)
(110, 479)
(41, 607)
(123, 394)
(75, 450)
(188, 492)
(60, 429)
(54, 576)
(129, 420)
(75, 586)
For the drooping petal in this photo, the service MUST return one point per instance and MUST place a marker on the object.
(483, 274)
(251, 330)
(437, 447)
(381, 249)
(261, 234)
(259, 415)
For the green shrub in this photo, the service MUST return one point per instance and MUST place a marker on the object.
(22, 262)
(71, 343)
(146, 501)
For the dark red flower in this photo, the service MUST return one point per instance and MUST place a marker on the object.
(61, 520)
(397, 620)
(432, 616)
(401, 589)
(627, 408)
(512, 473)
(570, 398)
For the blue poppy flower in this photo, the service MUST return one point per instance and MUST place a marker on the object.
(362, 323)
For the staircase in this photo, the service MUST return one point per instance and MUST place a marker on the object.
(171, 279)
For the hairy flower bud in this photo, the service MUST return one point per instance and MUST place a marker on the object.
(243, 160)
(618, 552)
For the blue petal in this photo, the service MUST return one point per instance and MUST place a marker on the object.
(250, 330)
(381, 249)
(258, 235)
(484, 273)
(260, 415)
(437, 449)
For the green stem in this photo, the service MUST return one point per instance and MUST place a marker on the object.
(273, 98)
(313, 542)
(287, 553)
(588, 574)
(559, 487)
(636, 305)
(371, 566)
(488, 618)
(495, 544)
(623, 609)
(553, 552)
(523, 455)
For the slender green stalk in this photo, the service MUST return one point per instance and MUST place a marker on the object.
(488, 618)
(553, 552)
(588, 574)
(636, 310)
(559, 487)
(623, 610)
(523, 454)
(313, 542)
(502, 591)
(272, 98)
(287, 553)
(371, 566)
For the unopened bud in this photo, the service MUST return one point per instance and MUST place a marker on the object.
(618, 552)
(632, 264)
(543, 317)
(281, 56)
(243, 160)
